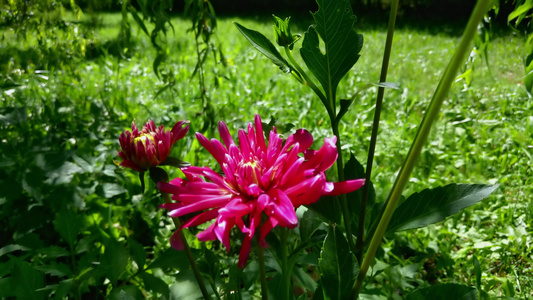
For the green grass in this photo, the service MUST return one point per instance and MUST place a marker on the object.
(73, 113)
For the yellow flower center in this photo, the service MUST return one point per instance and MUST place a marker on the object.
(143, 138)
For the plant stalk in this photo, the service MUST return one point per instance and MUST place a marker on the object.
(309, 82)
(262, 271)
(340, 175)
(188, 252)
(286, 272)
(431, 115)
(377, 114)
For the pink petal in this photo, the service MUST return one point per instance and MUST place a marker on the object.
(338, 188)
(175, 241)
(214, 202)
(225, 135)
(222, 230)
(208, 234)
(179, 131)
(307, 191)
(265, 229)
(201, 218)
(326, 155)
(245, 251)
(259, 134)
(244, 145)
(282, 209)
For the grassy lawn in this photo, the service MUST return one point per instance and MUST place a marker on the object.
(60, 127)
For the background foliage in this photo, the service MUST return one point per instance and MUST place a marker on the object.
(74, 224)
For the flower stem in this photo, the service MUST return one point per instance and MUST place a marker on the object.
(262, 271)
(285, 268)
(375, 126)
(309, 82)
(421, 136)
(188, 252)
(340, 175)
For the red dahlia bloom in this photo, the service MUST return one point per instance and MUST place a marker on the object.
(257, 179)
(149, 147)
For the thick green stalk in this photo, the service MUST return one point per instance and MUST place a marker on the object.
(262, 271)
(188, 252)
(463, 49)
(377, 113)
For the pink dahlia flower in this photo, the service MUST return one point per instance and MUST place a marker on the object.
(257, 179)
(149, 147)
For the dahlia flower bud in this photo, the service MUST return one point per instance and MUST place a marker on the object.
(150, 147)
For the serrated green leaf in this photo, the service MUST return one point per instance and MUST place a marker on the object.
(444, 292)
(335, 26)
(274, 287)
(171, 258)
(250, 274)
(155, 284)
(114, 261)
(434, 205)
(54, 252)
(263, 44)
(64, 287)
(309, 223)
(186, 287)
(138, 254)
(27, 280)
(7, 288)
(353, 169)
(128, 292)
(338, 266)
(209, 265)
(304, 279)
(68, 224)
(12, 247)
(55, 269)
(112, 189)
(328, 208)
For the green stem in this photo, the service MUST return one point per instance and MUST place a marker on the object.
(377, 113)
(188, 252)
(285, 268)
(309, 82)
(431, 115)
(262, 271)
(340, 175)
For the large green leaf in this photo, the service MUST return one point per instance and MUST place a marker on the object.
(338, 266)
(68, 224)
(114, 260)
(263, 44)
(354, 170)
(444, 292)
(335, 26)
(27, 280)
(434, 205)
